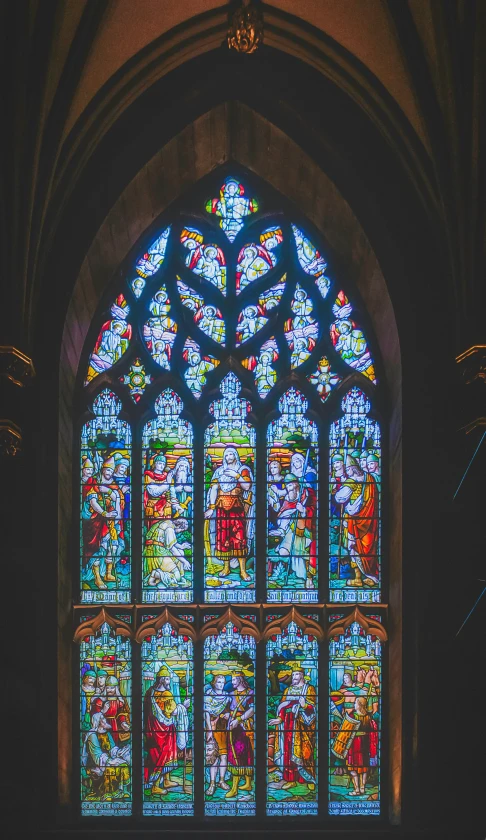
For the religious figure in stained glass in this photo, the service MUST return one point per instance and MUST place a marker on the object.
(205, 260)
(198, 366)
(167, 503)
(255, 260)
(167, 690)
(159, 332)
(348, 340)
(311, 261)
(151, 261)
(354, 722)
(355, 489)
(301, 330)
(292, 502)
(106, 444)
(232, 207)
(106, 760)
(292, 667)
(229, 716)
(230, 498)
(262, 367)
(206, 317)
(113, 340)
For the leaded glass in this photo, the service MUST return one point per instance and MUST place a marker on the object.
(292, 714)
(206, 317)
(106, 451)
(311, 261)
(198, 366)
(229, 480)
(151, 261)
(262, 367)
(355, 502)
(232, 207)
(354, 722)
(136, 379)
(205, 260)
(302, 329)
(324, 378)
(256, 260)
(113, 340)
(229, 723)
(253, 317)
(159, 332)
(349, 340)
(168, 723)
(292, 502)
(105, 724)
(167, 503)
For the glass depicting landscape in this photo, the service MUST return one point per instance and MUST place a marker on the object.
(229, 515)
(292, 673)
(355, 502)
(105, 724)
(354, 723)
(106, 451)
(229, 723)
(292, 502)
(167, 503)
(168, 723)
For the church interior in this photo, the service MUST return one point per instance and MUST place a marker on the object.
(370, 117)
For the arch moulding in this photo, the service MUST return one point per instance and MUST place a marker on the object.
(230, 132)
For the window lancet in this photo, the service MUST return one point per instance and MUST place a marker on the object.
(240, 366)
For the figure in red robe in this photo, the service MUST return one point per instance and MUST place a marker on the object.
(359, 495)
(156, 503)
(364, 747)
(166, 729)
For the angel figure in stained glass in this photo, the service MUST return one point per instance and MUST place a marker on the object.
(348, 340)
(250, 321)
(206, 260)
(301, 331)
(208, 320)
(113, 340)
(198, 367)
(311, 261)
(232, 206)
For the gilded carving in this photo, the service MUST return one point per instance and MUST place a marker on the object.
(246, 28)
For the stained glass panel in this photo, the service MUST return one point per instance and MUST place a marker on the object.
(354, 723)
(205, 260)
(256, 260)
(167, 453)
(159, 332)
(206, 317)
(311, 261)
(229, 479)
(106, 451)
(151, 261)
(324, 378)
(229, 723)
(301, 331)
(198, 366)
(105, 724)
(262, 367)
(113, 340)
(355, 502)
(253, 317)
(232, 207)
(292, 504)
(168, 724)
(349, 340)
(136, 379)
(292, 714)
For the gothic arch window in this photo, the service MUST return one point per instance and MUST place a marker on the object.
(230, 615)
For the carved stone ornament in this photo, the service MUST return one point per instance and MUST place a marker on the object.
(10, 439)
(245, 33)
(16, 366)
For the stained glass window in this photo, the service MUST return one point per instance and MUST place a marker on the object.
(105, 723)
(240, 366)
(168, 723)
(167, 503)
(355, 688)
(292, 714)
(229, 723)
